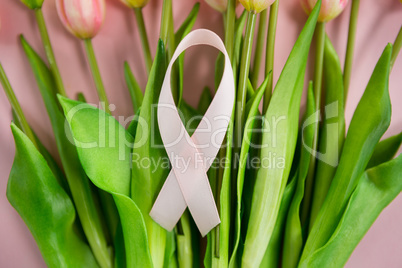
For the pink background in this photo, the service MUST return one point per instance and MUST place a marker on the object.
(118, 41)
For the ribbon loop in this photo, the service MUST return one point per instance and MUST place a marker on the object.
(187, 183)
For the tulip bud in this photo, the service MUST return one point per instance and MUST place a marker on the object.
(219, 5)
(256, 6)
(83, 18)
(329, 8)
(33, 4)
(135, 3)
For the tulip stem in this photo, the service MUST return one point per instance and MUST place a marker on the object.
(175, 81)
(167, 5)
(96, 74)
(262, 25)
(15, 105)
(319, 61)
(269, 63)
(49, 51)
(347, 70)
(230, 27)
(243, 78)
(397, 47)
(144, 38)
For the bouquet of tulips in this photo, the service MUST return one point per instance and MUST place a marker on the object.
(289, 190)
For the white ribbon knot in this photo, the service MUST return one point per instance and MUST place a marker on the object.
(188, 185)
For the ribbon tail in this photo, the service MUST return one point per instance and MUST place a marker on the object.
(169, 205)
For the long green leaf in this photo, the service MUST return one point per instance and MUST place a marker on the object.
(385, 150)
(293, 241)
(104, 148)
(273, 253)
(147, 182)
(370, 120)
(377, 187)
(252, 113)
(78, 182)
(283, 115)
(133, 87)
(45, 207)
(57, 172)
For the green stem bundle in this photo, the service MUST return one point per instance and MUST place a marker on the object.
(49, 51)
(269, 62)
(96, 74)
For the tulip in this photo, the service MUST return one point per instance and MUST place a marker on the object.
(329, 8)
(83, 18)
(33, 4)
(135, 3)
(256, 6)
(219, 5)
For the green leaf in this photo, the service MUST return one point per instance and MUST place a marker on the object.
(133, 87)
(333, 130)
(377, 187)
(283, 115)
(274, 249)
(293, 241)
(219, 66)
(103, 145)
(190, 117)
(134, 231)
(205, 100)
(147, 182)
(106, 206)
(250, 126)
(250, 90)
(81, 97)
(45, 207)
(370, 120)
(385, 150)
(78, 182)
(104, 148)
(132, 127)
(120, 250)
(57, 172)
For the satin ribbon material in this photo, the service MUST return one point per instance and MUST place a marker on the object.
(187, 183)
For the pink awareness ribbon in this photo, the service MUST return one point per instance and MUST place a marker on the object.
(188, 185)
